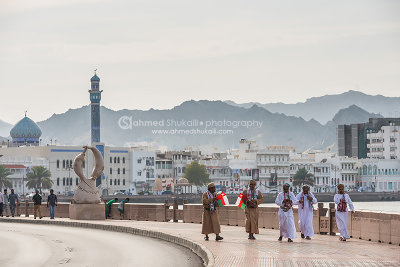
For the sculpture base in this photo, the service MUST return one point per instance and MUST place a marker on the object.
(87, 211)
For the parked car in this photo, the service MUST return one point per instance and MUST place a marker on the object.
(167, 193)
(120, 193)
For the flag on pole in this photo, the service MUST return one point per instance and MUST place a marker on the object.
(222, 200)
(240, 202)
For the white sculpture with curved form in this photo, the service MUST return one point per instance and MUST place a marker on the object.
(86, 192)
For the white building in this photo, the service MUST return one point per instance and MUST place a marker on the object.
(165, 172)
(143, 169)
(243, 170)
(274, 165)
(385, 143)
(59, 160)
(219, 172)
(247, 150)
(380, 175)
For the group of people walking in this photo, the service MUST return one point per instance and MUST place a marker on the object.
(252, 198)
(9, 202)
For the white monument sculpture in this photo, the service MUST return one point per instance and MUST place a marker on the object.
(86, 203)
(86, 192)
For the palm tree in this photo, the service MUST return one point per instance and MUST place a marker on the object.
(4, 181)
(39, 178)
(303, 177)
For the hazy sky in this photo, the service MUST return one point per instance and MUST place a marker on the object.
(156, 54)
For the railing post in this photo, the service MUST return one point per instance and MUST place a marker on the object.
(17, 208)
(166, 208)
(175, 207)
(26, 208)
(331, 216)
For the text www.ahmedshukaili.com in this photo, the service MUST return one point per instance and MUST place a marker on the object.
(192, 131)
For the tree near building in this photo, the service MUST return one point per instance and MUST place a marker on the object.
(303, 177)
(39, 178)
(4, 181)
(197, 174)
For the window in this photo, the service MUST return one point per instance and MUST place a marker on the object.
(115, 159)
(110, 170)
(58, 164)
(139, 161)
(64, 164)
(139, 173)
(123, 171)
(110, 181)
(70, 163)
(115, 181)
(110, 159)
(123, 182)
(365, 170)
(70, 181)
(118, 159)
(64, 181)
(118, 171)
(118, 181)
(58, 181)
(123, 160)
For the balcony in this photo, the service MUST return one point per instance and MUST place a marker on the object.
(273, 163)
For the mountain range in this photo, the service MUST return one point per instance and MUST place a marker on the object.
(121, 128)
(324, 108)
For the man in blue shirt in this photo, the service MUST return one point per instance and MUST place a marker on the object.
(13, 199)
(52, 200)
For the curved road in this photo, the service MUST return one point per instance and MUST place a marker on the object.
(50, 245)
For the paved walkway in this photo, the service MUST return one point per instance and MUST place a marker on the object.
(237, 250)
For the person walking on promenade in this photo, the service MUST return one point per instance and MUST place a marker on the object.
(52, 201)
(285, 200)
(1, 203)
(37, 202)
(14, 201)
(210, 218)
(121, 206)
(5, 200)
(342, 200)
(108, 206)
(306, 201)
(253, 198)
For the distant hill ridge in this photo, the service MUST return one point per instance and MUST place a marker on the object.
(73, 126)
(324, 108)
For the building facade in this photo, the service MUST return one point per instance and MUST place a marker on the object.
(274, 167)
(352, 139)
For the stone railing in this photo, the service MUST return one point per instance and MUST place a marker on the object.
(372, 226)
(26, 208)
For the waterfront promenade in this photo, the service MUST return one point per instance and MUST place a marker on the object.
(237, 250)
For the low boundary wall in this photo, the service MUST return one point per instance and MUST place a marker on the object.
(371, 226)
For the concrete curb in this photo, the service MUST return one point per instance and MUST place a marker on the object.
(197, 248)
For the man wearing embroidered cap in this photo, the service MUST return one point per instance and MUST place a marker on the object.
(210, 219)
(253, 198)
(342, 200)
(285, 200)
